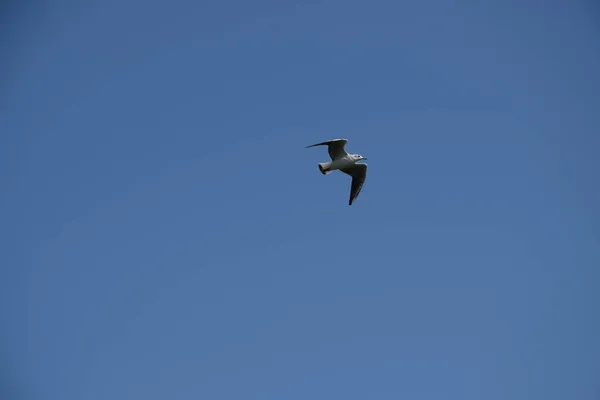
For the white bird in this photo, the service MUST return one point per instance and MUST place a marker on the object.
(347, 163)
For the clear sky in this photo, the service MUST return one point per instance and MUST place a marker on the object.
(166, 235)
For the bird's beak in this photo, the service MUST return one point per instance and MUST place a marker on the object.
(364, 158)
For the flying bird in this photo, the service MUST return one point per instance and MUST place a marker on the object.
(347, 163)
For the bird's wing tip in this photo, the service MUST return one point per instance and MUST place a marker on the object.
(328, 142)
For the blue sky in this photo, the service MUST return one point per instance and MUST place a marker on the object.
(167, 235)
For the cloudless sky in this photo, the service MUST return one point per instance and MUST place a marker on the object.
(165, 234)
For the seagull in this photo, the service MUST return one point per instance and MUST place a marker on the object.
(347, 163)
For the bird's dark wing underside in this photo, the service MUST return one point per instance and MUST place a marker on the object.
(358, 172)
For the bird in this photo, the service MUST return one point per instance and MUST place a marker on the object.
(347, 163)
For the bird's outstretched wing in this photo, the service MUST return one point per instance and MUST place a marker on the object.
(336, 148)
(358, 172)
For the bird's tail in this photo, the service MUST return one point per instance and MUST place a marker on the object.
(324, 168)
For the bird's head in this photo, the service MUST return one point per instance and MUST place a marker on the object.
(358, 157)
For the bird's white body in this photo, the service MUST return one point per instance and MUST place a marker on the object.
(344, 162)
